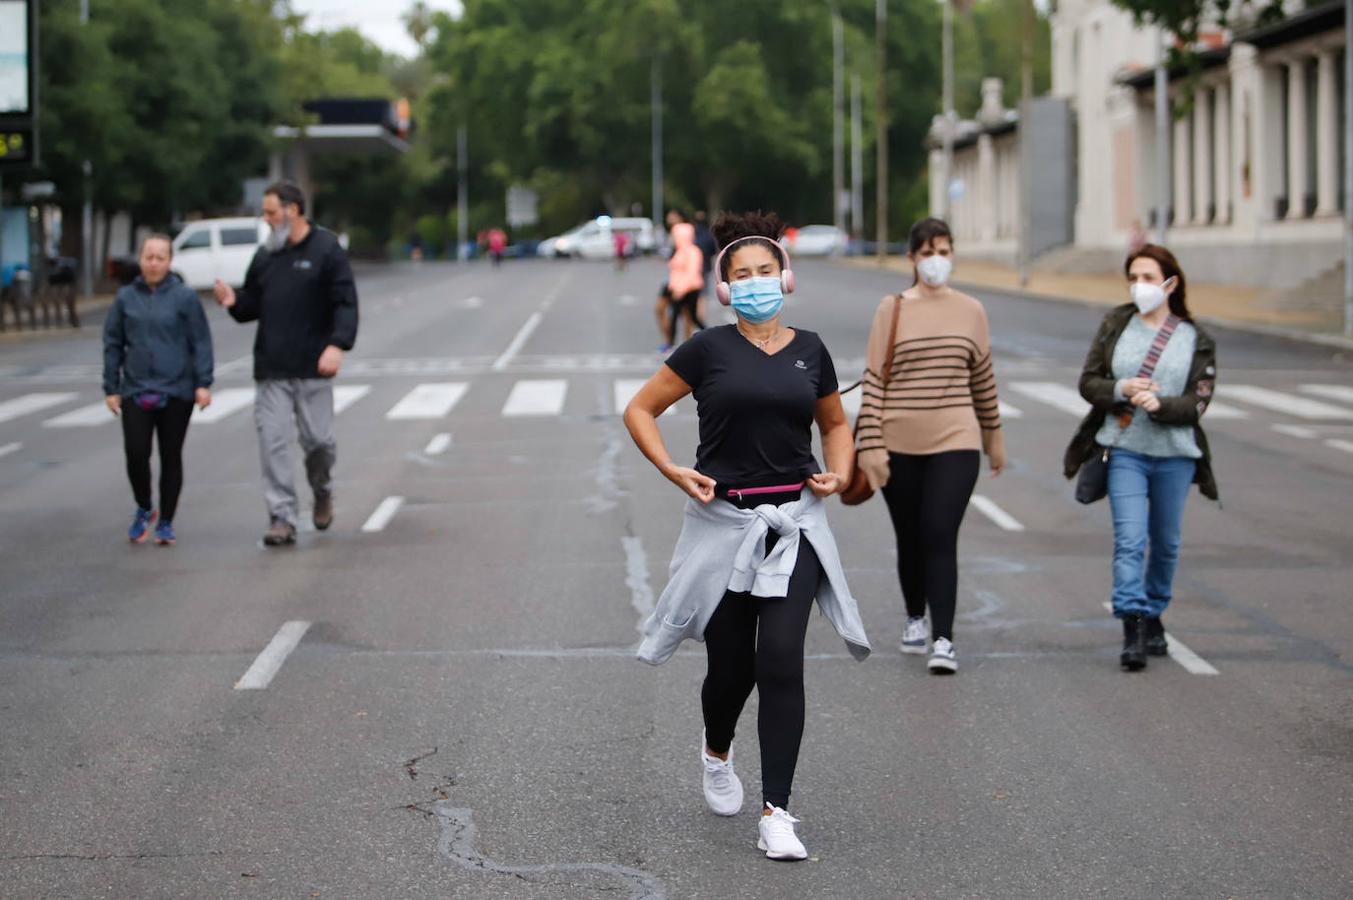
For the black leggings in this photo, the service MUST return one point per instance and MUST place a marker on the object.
(756, 641)
(927, 497)
(171, 426)
(687, 305)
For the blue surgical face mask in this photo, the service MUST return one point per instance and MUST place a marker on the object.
(757, 299)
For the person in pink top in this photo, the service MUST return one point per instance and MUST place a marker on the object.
(497, 245)
(685, 279)
(622, 246)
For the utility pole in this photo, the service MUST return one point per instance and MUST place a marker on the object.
(1025, 239)
(1348, 168)
(655, 102)
(947, 53)
(87, 214)
(856, 162)
(881, 124)
(462, 191)
(1163, 141)
(838, 121)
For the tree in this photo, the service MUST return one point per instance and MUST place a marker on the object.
(1185, 18)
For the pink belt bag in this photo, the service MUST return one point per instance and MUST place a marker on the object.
(740, 494)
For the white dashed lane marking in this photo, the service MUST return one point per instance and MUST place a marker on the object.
(261, 673)
(543, 397)
(383, 514)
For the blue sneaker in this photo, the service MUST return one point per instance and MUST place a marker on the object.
(164, 533)
(140, 526)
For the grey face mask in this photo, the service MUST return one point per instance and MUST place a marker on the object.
(277, 236)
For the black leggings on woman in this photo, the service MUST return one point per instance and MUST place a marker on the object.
(170, 426)
(758, 642)
(927, 497)
(687, 305)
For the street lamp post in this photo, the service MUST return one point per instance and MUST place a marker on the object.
(881, 124)
(1162, 141)
(87, 212)
(947, 52)
(838, 121)
(655, 101)
(462, 191)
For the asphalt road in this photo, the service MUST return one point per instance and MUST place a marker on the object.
(463, 717)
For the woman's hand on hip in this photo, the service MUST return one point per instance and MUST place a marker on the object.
(824, 484)
(202, 397)
(114, 403)
(699, 487)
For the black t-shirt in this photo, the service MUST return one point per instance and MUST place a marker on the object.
(755, 411)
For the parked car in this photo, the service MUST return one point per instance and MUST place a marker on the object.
(596, 239)
(820, 240)
(217, 248)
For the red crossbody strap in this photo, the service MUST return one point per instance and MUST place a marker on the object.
(1158, 347)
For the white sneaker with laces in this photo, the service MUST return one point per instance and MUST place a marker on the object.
(723, 790)
(916, 636)
(943, 658)
(777, 835)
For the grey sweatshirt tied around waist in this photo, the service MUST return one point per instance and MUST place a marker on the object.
(723, 548)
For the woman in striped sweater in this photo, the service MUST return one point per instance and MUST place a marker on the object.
(923, 427)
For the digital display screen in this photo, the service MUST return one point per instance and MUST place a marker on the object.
(15, 98)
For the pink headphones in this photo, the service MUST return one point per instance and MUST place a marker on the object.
(725, 293)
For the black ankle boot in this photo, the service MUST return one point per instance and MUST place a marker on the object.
(1134, 643)
(1156, 645)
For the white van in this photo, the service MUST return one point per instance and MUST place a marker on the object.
(596, 239)
(217, 248)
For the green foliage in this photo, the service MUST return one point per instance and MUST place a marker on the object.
(1186, 17)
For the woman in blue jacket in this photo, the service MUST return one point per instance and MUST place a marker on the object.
(157, 362)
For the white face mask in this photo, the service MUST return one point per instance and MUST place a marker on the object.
(1148, 297)
(935, 270)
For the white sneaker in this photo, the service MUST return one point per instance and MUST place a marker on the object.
(723, 790)
(916, 636)
(777, 835)
(943, 658)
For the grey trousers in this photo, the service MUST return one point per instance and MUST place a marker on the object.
(282, 408)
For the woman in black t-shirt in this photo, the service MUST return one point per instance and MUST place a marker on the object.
(759, 386)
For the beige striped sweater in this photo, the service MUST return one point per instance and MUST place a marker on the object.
(941, 392)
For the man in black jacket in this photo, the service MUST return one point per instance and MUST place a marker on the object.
(299, 288)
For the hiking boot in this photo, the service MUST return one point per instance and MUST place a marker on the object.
(324, 511)
(279, 534)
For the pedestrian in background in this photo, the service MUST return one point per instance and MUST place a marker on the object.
(923, 427)
(157, 362)
(755, 547)
(1149, 377)
(685, 280)
(300, 290)
(709, 248)
(497, 246)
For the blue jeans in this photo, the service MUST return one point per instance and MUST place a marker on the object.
(1146, 494)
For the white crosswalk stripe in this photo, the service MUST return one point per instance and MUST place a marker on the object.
(1068, 399)
(7, 449)
(347, 394)
(1054, 394)
(1340, 393)
(31, 403)
(1280, 401)
(1340, 444)
(537, 397)
(429, 401)
(84, 417)
(1010, 412)
(626, 388)
(224, 403)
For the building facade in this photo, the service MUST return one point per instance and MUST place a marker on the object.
(1256, 144)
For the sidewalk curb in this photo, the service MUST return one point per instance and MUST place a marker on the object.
(1338, 342)
(18, 335)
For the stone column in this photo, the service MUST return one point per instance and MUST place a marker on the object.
(1202, 155)
(1222, 153)
(985, 191)
(1327, 136)
(1297, 184)
(1183, 173)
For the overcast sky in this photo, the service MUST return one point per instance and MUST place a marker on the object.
(379, 20)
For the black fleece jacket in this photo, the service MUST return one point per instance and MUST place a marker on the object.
(304, 299)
